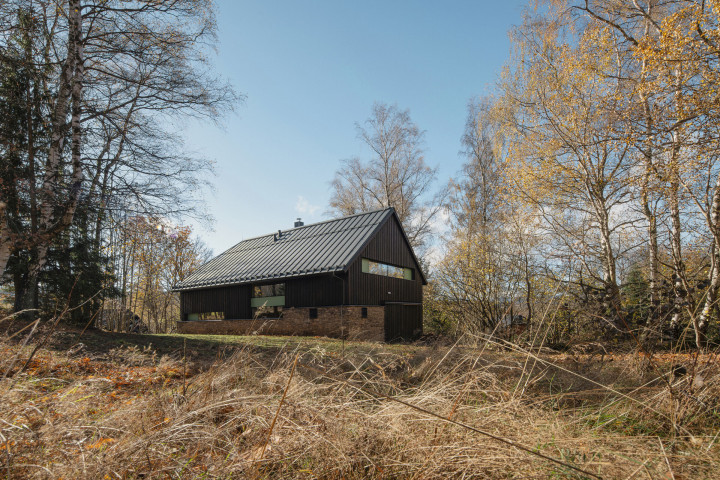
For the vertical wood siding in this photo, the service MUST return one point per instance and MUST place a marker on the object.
(402, 322)
(315, 291)
(388, 246)
(233, 300)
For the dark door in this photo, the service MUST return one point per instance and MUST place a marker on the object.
(403, 321)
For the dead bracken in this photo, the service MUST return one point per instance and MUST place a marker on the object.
(317, 408)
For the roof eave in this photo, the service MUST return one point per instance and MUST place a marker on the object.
(250, 281)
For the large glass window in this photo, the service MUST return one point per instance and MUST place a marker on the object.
(193, 317)
(265, 311)
(272, 290)
(378, 268)
(268, 300)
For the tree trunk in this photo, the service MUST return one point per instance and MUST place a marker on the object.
(5, 239)
(680, 292)
(652, 326)
(651, 323)
(682, 288)
(19, 286)
(69, 98)
(528, 289)
(711, 298)
(36, 261)
(609, 264)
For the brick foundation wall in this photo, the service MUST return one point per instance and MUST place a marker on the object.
(297, 321)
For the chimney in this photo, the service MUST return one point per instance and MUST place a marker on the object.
(299, 223)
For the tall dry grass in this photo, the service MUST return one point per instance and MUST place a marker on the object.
(306, 412)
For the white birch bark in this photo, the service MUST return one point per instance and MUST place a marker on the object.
(69, 99)
(711, 297)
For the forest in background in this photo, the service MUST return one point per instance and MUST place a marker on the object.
(605, 144)
(96, 184)
(586, 216)
(588, 206)
(589, 203)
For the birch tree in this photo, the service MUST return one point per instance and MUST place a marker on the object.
(674, 46)
(395, 175)
(567, 164)
(116, 71)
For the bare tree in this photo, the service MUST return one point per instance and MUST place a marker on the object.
(115, 74)
(486, 268)
(396, 174)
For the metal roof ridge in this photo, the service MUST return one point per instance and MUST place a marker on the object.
(340, 218)
(314, 224)
(268, 235)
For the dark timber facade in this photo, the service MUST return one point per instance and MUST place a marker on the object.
(354, 277)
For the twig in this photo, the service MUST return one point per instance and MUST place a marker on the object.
(14, 360)
(92, 319)
(444, 419)
(7, 457)
(712, 442)
(632, 475)
(22, 329)
(667, 461)
(277, 412)
(19, 312)
(184, 366)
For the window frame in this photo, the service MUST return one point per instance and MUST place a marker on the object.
(271, 312)
(259, 298)
(276, 290)
(374, 267)
(205, 316)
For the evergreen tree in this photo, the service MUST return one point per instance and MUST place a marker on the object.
(23, 140)
(636, 296)
(78, 273)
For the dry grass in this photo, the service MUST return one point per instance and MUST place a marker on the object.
(123, 414)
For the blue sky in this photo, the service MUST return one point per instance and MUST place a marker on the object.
(311, 70)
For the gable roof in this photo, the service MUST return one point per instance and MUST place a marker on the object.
(324, 247)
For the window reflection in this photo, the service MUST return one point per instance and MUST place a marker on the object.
(267, 312)
(272, 290)
(378, 268)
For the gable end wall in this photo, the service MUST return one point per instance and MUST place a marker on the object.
(387, 246)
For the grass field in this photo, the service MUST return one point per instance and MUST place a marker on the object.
(105, 405)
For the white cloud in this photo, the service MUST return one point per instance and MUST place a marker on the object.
(440, 223)
(433, 256)
(304, 207)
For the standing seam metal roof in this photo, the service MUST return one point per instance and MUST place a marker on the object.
(323, 247)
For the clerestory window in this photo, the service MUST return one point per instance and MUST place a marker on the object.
(379, 268)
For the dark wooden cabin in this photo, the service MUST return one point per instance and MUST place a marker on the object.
(354, 277)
